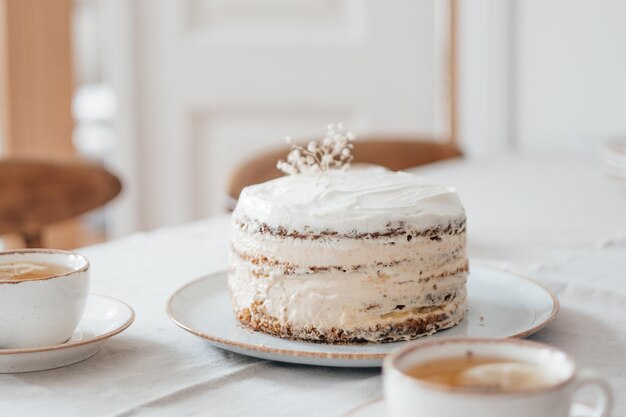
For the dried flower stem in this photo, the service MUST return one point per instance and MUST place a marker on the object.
(334, 151)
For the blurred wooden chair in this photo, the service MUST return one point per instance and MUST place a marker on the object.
(395, 154)
(36, 193)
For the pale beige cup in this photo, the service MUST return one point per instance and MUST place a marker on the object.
(46, 311)
(407, 396)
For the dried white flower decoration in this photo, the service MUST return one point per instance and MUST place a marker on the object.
(334, 151)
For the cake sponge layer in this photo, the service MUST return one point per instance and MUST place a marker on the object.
(402, 328)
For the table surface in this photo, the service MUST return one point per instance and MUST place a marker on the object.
(554, 217)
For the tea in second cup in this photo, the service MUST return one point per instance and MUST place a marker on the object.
(485, 378)
(42, 296)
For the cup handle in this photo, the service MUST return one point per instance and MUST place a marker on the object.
(591, 378)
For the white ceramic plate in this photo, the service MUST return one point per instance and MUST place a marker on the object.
(613, 157)
(104, 317)
(501, 304)
(377, 409)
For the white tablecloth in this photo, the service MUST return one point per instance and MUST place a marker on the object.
(555, 218)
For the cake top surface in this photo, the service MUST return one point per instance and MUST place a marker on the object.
(362, 201)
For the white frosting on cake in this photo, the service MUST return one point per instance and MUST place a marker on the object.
(359, 201)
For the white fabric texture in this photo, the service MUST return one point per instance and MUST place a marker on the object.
(155, 368)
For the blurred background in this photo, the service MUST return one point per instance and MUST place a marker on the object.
(172, 96)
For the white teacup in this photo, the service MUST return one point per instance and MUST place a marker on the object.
(409, 396)
(43, 311)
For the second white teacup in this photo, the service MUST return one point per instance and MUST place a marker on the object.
(42, 296)
(485, 378)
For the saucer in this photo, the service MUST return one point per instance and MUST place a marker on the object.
(501, 304)
(613, 157)
(104, 317)
(377, 409)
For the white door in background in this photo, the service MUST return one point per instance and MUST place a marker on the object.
(571, 74)
(216, 81)
(539, 76)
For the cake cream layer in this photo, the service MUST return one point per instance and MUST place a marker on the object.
(402, 328)
(349, 203)
(326, 317)
(429, 254)
(344, 300)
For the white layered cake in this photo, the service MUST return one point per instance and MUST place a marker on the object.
(348, 257)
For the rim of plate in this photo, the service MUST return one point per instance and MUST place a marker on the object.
(82, 342)
(340, 355)
(358, 409)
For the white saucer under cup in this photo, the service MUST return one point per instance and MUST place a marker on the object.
(103, 318)
(501, 304)
(378, 409)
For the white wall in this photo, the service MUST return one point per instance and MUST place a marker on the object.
(485, 76)
(541, 74)
(570, 72)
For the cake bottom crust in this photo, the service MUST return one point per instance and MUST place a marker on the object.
(395, 330)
